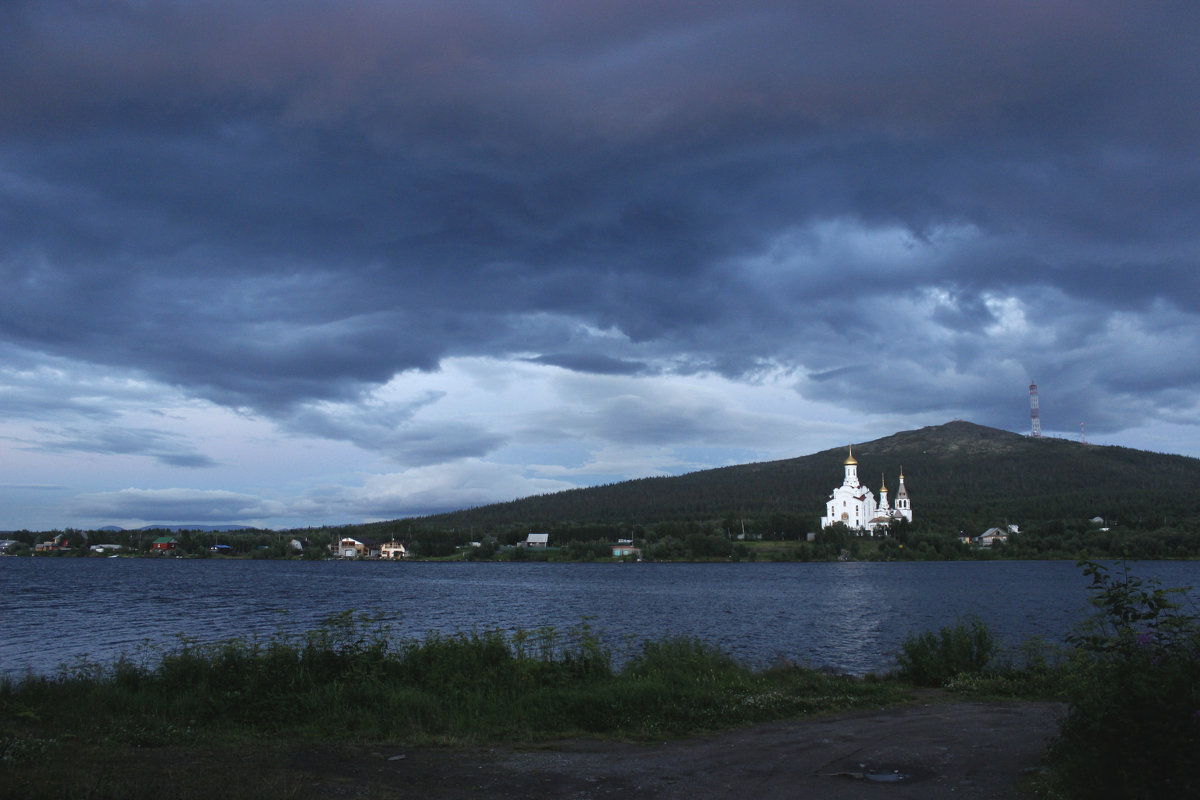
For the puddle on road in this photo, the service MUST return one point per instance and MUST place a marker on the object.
(886, 777)
(895, 776)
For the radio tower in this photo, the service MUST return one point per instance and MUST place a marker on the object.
(1034, 413)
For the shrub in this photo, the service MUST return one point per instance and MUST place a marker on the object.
(1133, 729)
(683, 660)
(932, 659)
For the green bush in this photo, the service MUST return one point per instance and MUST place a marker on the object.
(1133, 729)
(682, 659)
(932, 659)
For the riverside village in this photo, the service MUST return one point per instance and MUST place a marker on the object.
(851, 506)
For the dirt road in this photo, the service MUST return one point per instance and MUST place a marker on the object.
(931, 751)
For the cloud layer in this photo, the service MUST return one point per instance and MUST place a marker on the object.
(297, 213)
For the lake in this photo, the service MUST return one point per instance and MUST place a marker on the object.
(851, 617)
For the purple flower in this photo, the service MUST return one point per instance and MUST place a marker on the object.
(1146, 639)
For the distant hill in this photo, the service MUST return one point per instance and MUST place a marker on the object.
(959, 475)
(178, 528)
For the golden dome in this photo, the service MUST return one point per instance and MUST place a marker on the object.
(851, 459)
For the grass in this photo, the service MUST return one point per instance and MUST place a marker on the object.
(348, 682)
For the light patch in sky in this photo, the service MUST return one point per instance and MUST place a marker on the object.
(606, 428)
(277, 250)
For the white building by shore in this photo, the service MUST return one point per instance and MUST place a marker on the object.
(854, 504)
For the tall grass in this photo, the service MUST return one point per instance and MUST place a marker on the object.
(351, 680)
(932, 659)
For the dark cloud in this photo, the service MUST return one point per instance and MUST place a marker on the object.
(276, 203)
(588, 362)
(172, 505)
(390, 430)
(168, 449)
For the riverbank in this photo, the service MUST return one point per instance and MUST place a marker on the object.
(934, 746)
(1130, 678)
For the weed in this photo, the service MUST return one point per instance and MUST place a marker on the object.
(932, 659)
(16, 749)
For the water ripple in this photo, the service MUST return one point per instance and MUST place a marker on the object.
(849, 617)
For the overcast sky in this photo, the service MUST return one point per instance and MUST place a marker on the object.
(294, 262)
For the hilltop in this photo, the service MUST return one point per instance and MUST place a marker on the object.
(960, 476)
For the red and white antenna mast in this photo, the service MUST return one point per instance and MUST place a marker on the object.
(1034, 413)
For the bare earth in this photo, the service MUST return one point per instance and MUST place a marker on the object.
(937, 750)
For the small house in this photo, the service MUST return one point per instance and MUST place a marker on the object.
(164, 544)
(393, 551)
(350, 548)
(358, 548)
(536, 540)
(621, 550)
(58, 543)
(991, 536)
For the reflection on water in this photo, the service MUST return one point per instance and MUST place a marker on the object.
(848, 616)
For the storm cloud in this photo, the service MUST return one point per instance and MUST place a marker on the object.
(346, 221)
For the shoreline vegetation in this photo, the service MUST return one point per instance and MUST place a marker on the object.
(1130, 677)
(714, 541)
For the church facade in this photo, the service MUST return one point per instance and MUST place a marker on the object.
(855, 504)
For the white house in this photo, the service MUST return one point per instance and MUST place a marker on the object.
(393, 550)
(358, 548)
(536, 540)
(854, 504)
(350, 548)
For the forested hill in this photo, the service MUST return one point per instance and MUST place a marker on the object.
(959, 476)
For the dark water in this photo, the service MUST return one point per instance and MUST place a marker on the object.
(848, 616)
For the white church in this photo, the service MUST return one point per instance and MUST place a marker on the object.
(854, 504)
